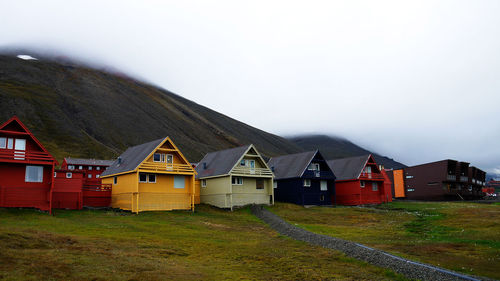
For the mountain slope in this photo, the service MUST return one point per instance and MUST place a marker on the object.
(334, 147)
(81, 112)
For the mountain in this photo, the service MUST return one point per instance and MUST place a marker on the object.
(78, 111)
(335, 147)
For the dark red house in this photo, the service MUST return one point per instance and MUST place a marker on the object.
(95, 194)
(26, 168)
(68, 193)
(359, 181)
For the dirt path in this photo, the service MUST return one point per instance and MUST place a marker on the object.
(408, 268)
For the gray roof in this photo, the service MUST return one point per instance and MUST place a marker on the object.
(291, 166)
(132, 157)
(220, 162)
(348, 168)
(87, 162)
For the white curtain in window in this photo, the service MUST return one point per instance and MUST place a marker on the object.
(179, 182)
(34, 174)
(20, 144)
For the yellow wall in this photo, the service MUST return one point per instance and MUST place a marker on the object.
(247, 193)
(163, 196)
(122, 191)
(217, 192)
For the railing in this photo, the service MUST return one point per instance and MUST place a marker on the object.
(451, 177)
(166, 167)
(98, 187)
(252, 171)
(21, 155)
(365, 176)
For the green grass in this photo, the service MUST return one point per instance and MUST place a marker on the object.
(210, 244)
(460, 236)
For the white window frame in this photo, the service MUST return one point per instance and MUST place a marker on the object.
(374, 186)
(154, 160)
(55, 174)
(313, 167)
(169, 158)
(368, 170)
(98, 168)
(243, 162)
(275, 184)
(325, 184)
(237, 181)
(203, 183)
(89, 176)
(80, 167)
(307, 183)
(97, 176)
(3, 142)
(39, 175)
(90, 168)
(71, 167)
(143, 181)
(69, 175)
(362, 184)
(149, 178)
(183, 182)
(10, 143)
(20, 144)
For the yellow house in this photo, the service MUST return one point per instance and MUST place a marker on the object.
(151, 176)
(235, 177)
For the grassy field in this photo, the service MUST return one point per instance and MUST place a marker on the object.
(460, 236)
(210, 244)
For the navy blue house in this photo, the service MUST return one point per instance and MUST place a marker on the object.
(303, 178)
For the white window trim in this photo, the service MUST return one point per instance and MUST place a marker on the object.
(26, 174)
(71, 167)
(307, 183)
(203, 183)
(69, 175)
(321, 185)
(98, 168)
(167, 156)
(237, 181)
(10, 143)
(275, 184)
(4, 144)
(374, 185)
(89, 176)
(143, 181)
(90, 168)
(154, 160)
(362, 184)
(148, 178)
(80, 167)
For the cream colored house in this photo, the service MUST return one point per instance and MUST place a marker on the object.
(235, 177)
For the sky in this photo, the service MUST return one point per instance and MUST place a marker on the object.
(418, 81)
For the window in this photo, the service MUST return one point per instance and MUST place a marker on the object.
(237, 181)
(97, 176)
(10, 143)
(69, 175)
(374, 186)
(152, 178)
(157, 157)
(179, 182)
(368, 169)
(3, 142)
(89, 176)
(307, 182)
(322, 198)
(143, 177)
(90, 168)
(243, 162)
(410, 189)
(170, 158)
(203, 183)
(34, 174)
(323, 186)
(362, 184)
(71, 167)
(259, 184)
(80, 167)
(98, 168)
(313, 167)
(115, 180)
(409, 177)
(275, 184)
(20, 144)
(55, 174)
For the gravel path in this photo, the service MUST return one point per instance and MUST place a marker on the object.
(410, 269)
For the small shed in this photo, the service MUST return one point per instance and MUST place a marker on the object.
(303, 179)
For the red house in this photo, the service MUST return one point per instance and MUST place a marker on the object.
(26, 168)
(95, 194)
(359, 181)
(68, 193)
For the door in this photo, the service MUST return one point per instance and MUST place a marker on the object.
(19, 149)
(170, 162)
(252, 166)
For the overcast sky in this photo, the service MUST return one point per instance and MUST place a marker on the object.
(418, 81)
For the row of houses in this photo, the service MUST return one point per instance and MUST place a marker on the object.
(157, 176)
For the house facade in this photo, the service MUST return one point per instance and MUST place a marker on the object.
(303, 179)
(95, 193)
(26, 168)
(151, 177)
(359, 181)
(235, 177)
(68, 192)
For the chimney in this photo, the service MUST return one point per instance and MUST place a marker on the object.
(119, 160)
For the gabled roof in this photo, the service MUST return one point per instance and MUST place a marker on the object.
(82, 161)
(348, 168)
(133, 157)
(221, 162)
(292, 165)
(16, 120)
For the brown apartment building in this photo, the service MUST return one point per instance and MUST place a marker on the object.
(440, 180)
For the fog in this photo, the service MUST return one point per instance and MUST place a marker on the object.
(417, 81)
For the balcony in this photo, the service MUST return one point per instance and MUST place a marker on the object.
(371, 176)
(10, 155)
(165, 167)
(264, 172)
(318, 174)
(464, 178)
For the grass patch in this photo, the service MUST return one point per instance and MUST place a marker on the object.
(460, 236)
(209, 244)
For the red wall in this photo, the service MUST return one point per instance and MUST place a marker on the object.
(15, 192)
(350, 193)
(67, 193)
